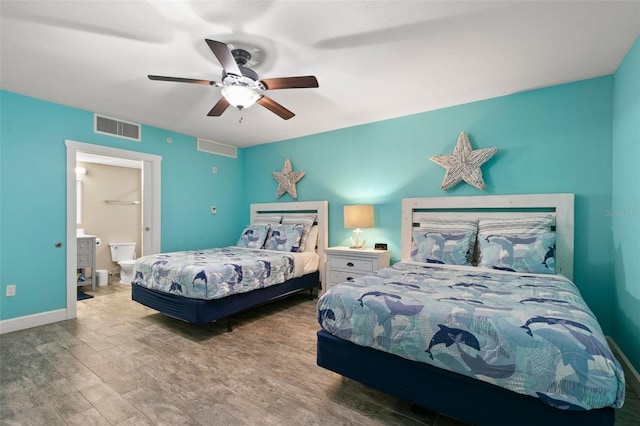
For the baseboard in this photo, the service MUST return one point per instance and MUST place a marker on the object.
(29, 321)
(631, 376)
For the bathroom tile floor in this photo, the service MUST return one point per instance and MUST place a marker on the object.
(120, 363)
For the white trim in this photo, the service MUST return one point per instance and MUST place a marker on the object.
(631, 375)
(561, 205)
(152, 203)
(322, 209)
(29, 321)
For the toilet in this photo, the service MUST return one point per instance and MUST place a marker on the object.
(124, 254)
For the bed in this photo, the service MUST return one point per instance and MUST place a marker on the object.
(202, 286)
(482, 344)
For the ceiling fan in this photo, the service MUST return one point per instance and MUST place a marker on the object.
(241, 86)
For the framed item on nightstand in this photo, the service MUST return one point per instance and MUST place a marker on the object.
(380, 246)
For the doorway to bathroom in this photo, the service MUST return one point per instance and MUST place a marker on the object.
(149, 203)
(109, 206)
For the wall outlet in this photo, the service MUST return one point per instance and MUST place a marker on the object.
(11, 290)
(214, 170)
(214, 210)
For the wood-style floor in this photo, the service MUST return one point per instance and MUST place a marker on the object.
(120, 363)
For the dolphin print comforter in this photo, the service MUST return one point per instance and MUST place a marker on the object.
(532, 334)
(214, 273)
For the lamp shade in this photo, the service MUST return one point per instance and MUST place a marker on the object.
(360, 216)
(240, 96)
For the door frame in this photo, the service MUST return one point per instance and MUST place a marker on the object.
(150, 206)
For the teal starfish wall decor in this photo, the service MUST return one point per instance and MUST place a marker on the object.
(287, 180)
(463, 164)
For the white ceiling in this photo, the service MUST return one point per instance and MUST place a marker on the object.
(374, 60)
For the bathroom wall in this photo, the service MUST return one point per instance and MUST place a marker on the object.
(111, 222)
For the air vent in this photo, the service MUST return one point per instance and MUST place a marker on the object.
(217, 148)
(111, 126)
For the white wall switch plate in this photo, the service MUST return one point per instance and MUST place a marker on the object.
(214, 210)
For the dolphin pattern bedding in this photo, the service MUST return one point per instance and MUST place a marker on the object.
(530, 333)
(215, 273)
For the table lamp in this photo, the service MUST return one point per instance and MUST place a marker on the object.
(359, 216)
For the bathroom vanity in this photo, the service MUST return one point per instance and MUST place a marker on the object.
(87, 259)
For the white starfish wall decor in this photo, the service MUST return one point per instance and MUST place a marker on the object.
(463, 164)
(287, 180)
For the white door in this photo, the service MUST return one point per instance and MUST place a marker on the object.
(150, 212)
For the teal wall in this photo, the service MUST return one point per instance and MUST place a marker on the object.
(33, 196)
(556, 139)
(625, 204)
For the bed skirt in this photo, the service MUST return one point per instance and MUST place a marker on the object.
(451, 394)
(199, 311)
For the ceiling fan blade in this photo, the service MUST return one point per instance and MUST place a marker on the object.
(275, 107)
(223, 53)
(304, 82)
(183, 80)
(219, 108)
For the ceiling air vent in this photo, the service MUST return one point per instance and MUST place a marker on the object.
(217, 148)
(111, 126)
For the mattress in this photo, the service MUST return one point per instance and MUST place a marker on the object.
(531, 334)
(219, 272)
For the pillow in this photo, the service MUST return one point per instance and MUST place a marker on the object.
(312, 239)
(516, 226)
(306, 219)
(285, 237)
(446, 226)
(533, 253)
(267, 218)
(253, 236)
(512, 226)
(450, 248)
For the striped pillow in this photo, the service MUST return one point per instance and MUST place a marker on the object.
(515, 226)
(267, 218)
(312, 239)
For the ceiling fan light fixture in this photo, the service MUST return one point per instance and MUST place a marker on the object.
(240, 96)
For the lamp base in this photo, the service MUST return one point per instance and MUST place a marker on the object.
(357, 244)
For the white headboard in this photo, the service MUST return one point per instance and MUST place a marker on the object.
(319, 207)
(560, 206)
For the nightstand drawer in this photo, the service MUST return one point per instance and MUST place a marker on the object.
(337, 277)
(345, 264)
(84, 261)
(350, 263)
(83, 247)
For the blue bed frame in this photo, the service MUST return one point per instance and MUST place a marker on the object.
(198, 311)
(452, 394)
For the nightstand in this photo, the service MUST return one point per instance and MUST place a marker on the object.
(87, 259)
(345, 264)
